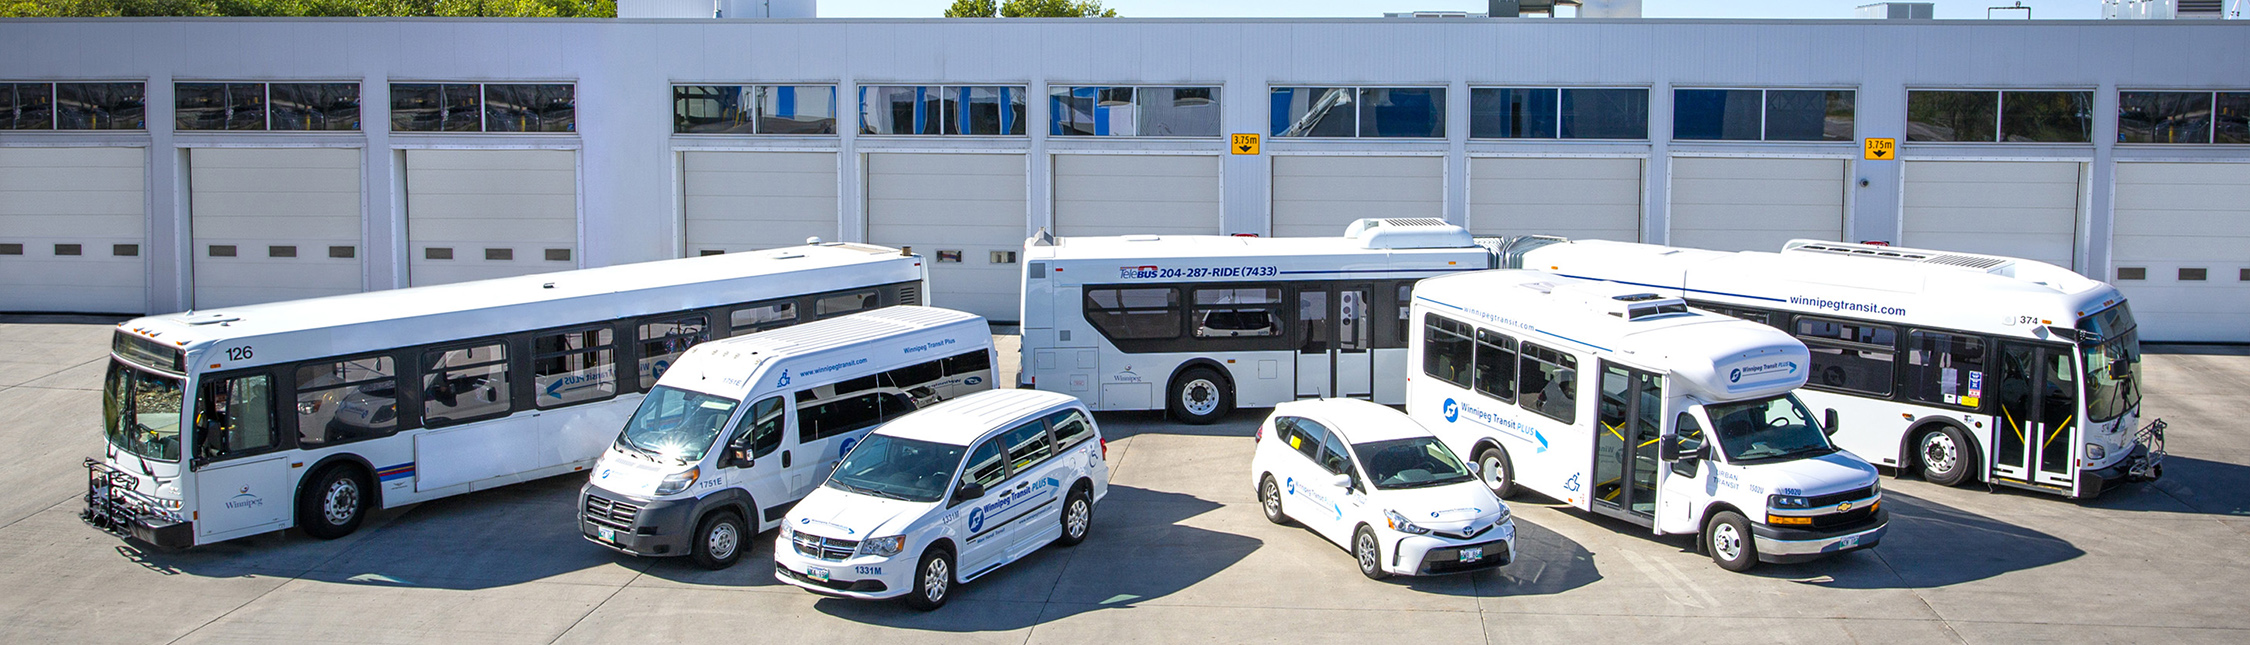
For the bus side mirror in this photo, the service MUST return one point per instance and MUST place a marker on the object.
(1830, 427)
(968, 491)
(1678, 448)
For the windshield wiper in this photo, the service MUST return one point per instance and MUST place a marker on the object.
(868, 491)
(1428, 483)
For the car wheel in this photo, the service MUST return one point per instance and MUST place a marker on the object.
(1944, 454)
(1497, 473)
(1369, 552)
(1199, 396)
(1729, 541)
(718, 541)
(1269, 499)
(1077, 517)
(933, 580)
(334, 503)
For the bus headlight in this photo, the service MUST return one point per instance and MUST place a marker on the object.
(883, 546)
(680, 481)
(1789, 501)
(1398, 523)
(2095, 451)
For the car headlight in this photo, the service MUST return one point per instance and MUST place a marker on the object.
(2095, 451)
(1503, 517)
(1789, 502)
(1398, 523)
(679, 481)
(883, 546)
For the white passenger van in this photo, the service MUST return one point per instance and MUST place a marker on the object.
(1373, 481)
(1201, 324)
(1966, 367)
(946, 495)
(310, 413)
(742, 428)
(1630, 405)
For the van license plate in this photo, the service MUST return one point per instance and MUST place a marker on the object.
(816, 573)
(1848, 542)
(1472, 554)
(608, 534)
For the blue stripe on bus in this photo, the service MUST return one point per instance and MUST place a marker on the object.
(400, 471)
(1542, 331)
(1659, 286)
(1377, 271)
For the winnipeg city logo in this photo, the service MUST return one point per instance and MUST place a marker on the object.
(245, 500)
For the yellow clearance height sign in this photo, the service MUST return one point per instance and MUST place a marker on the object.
(1245, 143)
(1882, 149)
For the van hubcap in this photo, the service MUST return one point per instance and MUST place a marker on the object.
(934, 579)
(341, 502)
(1075, 522)
(722, 541)
(1726, 542)
(1939, 454)
(1199, 396)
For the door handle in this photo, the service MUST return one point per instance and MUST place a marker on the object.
(1023, 485)
(785, 459)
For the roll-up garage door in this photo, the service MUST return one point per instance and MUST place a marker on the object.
(274, 224)
(2182, 249)
(1319, 196)
(73, 228)
(1136, 194)
(2022, 209)
(1581, 199)
(742, 201)
(1732, 204)
(476, 214)
(966, 212)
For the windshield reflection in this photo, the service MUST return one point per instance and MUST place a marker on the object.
(2113, 366)
(141, 411)
(1409, 463)
(894, 468)
(1771, 428)
(676, 424)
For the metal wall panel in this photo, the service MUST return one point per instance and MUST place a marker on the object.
(2014, 208)
(55, 200)
(972, 204)
(1317, 196)
(279, 212)
(1137, 194)
(1744, 204)
(741, 201)
(472, 202)
(1577, 198)
(2185, 216)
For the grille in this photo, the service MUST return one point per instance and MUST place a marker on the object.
(911, 294)
(1839, 498)
(611, 513)
(830, 549)
(1466, 533)
(1448, 560)
(1847, 518)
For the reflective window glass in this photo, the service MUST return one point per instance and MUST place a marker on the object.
(711, 109)
(1944, 368)
(1070, 428)
(663, 341)
(1604, 113)
(1849, 355)
(543, 107)
(984, 110)
(1178, 111)
(1147, 313)
(1314, 112)
(899, 109)
(199, 106)
(2232, 112)
(434, 107)
(346, 400)
(2053, 117)
(1547, 383)
(1447, 351)
(315, 106)
(27, 106)
(1951, 115)
(235, 417)
(2164, 117)
(986, 467)
(246, 106)
(756, 318)
(796, 109)
(1496, 365)
(1028, 445)
(844, 303)
(1810, 115)
(465, 384)
(1402, 112)
(100, 106)
(1237, 312)
(1512, 113)
(1731, 115)
(1133, 111)
(573, 367)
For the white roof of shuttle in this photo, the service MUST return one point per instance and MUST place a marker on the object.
(724, 367)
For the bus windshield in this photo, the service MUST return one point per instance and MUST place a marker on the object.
(1774, 428)
(1409, 463)
(141, 411)
(2112, 365)
(676, 424)
(893, 468)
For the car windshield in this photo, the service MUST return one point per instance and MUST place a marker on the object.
(676, 424)
(893, 468)
(141, 411)
(1769, 429)
(2113, 364)
(1409, 463)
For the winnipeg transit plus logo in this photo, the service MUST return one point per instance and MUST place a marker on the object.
(1455, 409)
(1785, 368)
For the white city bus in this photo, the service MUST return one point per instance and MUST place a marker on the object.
(1961, 366)
(1598, 394)
(309, 413)
(1200, 324)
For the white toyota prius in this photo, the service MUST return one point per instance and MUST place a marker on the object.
(1373, 481)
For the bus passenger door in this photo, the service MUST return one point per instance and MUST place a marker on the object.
(2038, 397)
(1335, 358)
(1625, 436)
(241, 483)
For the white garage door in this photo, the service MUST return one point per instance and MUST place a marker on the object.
(1581, 199)
(73, 230)
(742, 201)
(1137, 194)
(2186, 228)
(476, 214)
(2023, 209)
(1319, 196)
(274, 224)
(1730, 204)
(957, 210)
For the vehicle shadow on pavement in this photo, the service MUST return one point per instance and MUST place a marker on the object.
(1138, 551)
(1931, 545)
(1119, 425)
(2199, 485)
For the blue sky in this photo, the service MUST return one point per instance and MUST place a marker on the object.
(1965, 9)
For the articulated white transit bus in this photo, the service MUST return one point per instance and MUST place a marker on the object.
(1201, 324)
(1600, 394)
(1966, 367)
(310, 413)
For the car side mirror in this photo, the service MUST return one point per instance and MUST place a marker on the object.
(1341, 481)
(1475, 469)
(1830, 426)
(967, 491)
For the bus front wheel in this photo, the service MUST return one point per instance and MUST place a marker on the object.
(333, 502)
(1944, 455)
(1199, 396)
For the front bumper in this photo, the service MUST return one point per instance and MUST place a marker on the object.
(655, 528)
(114, 507)
(1429, 555)
(2144, 464)
(1786, 545)
(861, 577)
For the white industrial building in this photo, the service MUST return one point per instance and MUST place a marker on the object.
(156, 165)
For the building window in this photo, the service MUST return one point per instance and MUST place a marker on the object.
(73, 106)
(484, 107)
(1550, 113)
(1762, 115)
(2004, 116)
(941, 109)
(1133, 111)
(2183, 117)
(265, 106)
(754, 109)
(1417, 112)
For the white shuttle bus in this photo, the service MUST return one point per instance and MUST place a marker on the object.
(1964, 367)
(742, 428)
(310, 413)
(1600, 395)
(1201, 324)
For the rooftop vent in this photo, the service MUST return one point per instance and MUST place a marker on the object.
(1409, 233)
(1940, 258)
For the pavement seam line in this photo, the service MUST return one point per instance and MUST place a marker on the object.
(66, 369)
(598, 606)
(1916, 592)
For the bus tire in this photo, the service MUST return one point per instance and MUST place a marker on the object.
(1368, 551)
(333, 501)
(1077, 515)
(1945, 455)
(718, 540)
(1269, 500)
(1498, 474)
(1199, 396)
(933, 579)
(1729, 541)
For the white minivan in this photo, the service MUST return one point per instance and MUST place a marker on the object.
(1373, 481)
(740, 429)
(946, 495)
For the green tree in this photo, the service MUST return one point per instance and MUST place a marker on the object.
(1028, 9)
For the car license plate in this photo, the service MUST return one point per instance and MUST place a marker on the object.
(816, 573)
(1472, 554)
(608, 534)
(1848, 542)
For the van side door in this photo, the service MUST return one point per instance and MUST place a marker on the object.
(758, 435)
(1304, 482)
(1045, 474)
(1336, 459)
(981, 538)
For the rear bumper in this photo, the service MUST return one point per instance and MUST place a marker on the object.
(1785, 545)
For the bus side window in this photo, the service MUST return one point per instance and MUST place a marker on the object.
(1446, 351)
(1849, 355)
(346, 400)
(761, 317)
(844, 303)
(1690, 437)
(760, 430)
(1939, 367)
(1132, 314)
(573, 367)
(1496, 365)
(969, 362)
(1405, 323)
(235, 417)
(663, 341)
(1548, 383)
(465, 384)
